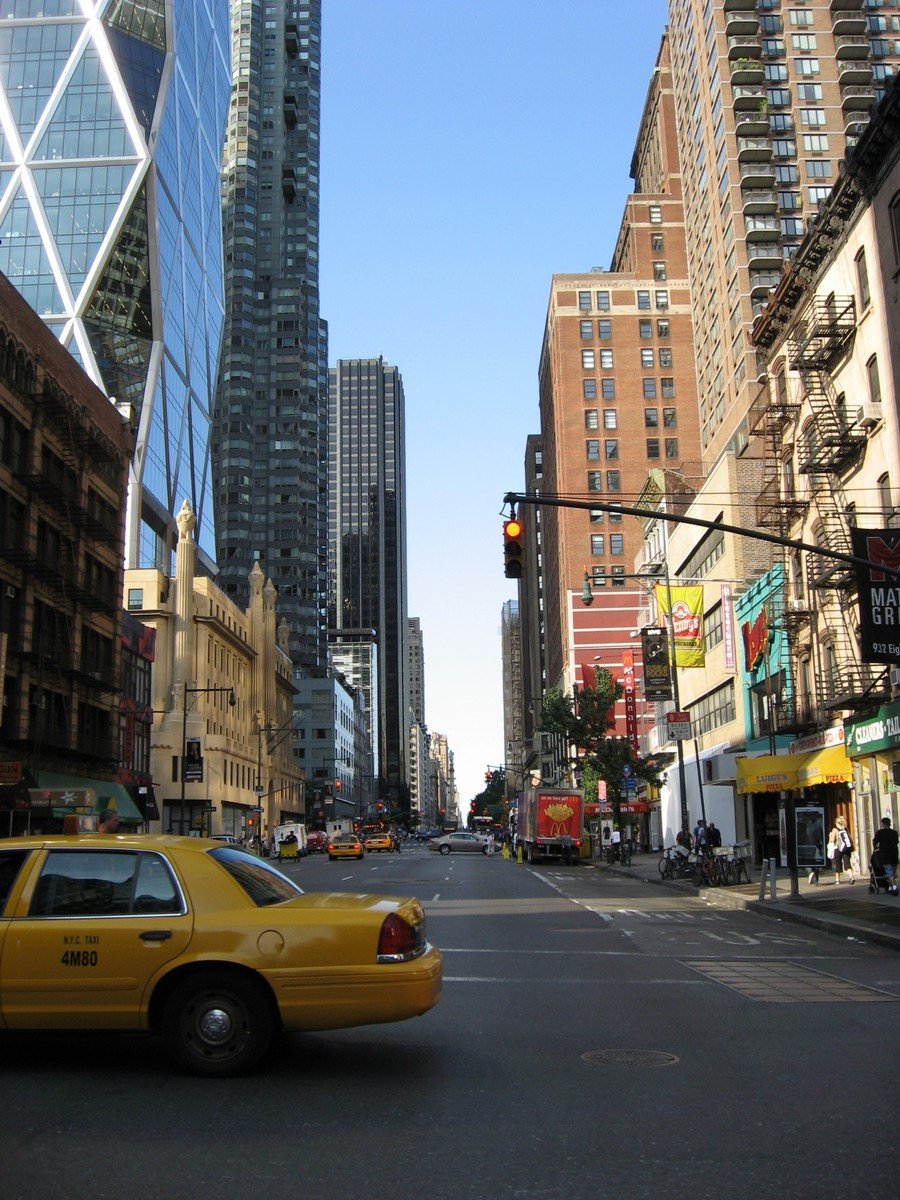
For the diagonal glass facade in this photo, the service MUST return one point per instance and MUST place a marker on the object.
(112, 114)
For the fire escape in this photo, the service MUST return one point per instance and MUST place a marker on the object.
(816, 610)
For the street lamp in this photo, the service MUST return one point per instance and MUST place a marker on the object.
(232, 701)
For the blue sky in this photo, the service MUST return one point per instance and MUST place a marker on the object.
(470, 150)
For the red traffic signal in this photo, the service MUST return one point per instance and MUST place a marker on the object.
(513, 548)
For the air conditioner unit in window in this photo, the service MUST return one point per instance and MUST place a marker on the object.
(895, 676)
(868, 415)
(797, 606)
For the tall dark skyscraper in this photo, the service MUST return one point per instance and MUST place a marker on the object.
(367, 546)
(270, 431)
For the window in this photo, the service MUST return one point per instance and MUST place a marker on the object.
(646, 329)
(587, 360)
(800, 16)
(615, 518)
(589, 389)
(784, 147)
(643, 300)
(671, 447)
(665, 357)
(874, 381)
(595, 516)
(618, 576)
(603, 301)
(598, 577)
(653, 447)
(135, 599)
(587, 330)
(606, 359)
(668, 387)
(812, 117)
(613, 481)
(611, 448)
(781, 123)
(659, 271)
(617, 544)
(608, 389)
(656, 242)
(818, 195)
(647, 358)
(662, 327)
(862, 280)
(815, 143)
(592, 449)
(591, 418)
(584, 301)
(670, 418)
(88, 883)
(649, 387)
(651, 418)
(787, 173)
(778, 97)
(803, 41)
(806, 66)
(604, 329)
(610, 418)
(789, 201)
(792, 227)
(595, 481)
(817, 170)
(809, 92)
(886, 498)
(598, 544)
(655, 214)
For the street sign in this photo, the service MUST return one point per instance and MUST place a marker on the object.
(678, 726)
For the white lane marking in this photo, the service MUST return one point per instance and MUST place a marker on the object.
(558, 980)
(436, 896)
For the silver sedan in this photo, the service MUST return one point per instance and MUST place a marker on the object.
(466, 843)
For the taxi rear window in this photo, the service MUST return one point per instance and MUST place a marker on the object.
(262, 883)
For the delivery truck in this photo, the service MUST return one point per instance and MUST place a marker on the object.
(544, 816)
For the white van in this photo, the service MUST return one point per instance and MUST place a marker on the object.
(283, 845)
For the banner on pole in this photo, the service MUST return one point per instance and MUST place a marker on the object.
(879, 592)
(687, 622)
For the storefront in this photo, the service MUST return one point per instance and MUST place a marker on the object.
(810, 788)
(40, 803)
(873, 747)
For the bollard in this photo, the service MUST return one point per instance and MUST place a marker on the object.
(519, 856)
(773, 887)
(768, 873)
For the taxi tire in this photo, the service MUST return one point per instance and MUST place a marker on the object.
(245, 1007)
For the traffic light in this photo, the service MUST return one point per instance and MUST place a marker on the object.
(513, 548)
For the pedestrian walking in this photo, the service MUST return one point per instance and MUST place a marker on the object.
(840, 847)
(713, 835)
(700, 837)
(490, 843)
(565, 843)
(886, 844)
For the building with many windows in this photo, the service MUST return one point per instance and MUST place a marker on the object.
(270, 430)
(367, 548)
(110, 224)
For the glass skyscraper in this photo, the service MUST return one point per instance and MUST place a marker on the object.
(111, 121)
(271, 432)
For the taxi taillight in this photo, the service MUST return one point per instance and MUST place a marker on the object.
(398, 939)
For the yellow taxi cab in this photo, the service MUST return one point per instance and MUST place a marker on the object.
(345, 845)
(199, 941)
(378, 841)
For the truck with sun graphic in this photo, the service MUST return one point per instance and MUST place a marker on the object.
(544, 816)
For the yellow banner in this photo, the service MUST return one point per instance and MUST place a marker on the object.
(687, 620)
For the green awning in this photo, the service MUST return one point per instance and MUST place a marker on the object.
(73, 793)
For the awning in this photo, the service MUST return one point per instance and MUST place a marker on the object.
(828, 765)
(788, 772)
(73, 793)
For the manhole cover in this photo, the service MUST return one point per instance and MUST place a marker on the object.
(630, 1058)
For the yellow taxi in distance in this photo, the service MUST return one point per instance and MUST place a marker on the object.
(199, 941)
(379, 841)
(345, 845)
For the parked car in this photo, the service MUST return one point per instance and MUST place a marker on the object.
(378, 841)
(459, 843)
(197, 940)
(316, 841)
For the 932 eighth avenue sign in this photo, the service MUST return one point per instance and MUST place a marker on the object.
(879, 593)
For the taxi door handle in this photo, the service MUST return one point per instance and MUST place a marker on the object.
(155, 935)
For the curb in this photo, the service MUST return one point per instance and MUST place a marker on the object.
(846, 927)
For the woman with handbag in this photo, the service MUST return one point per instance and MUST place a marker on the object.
(840, 839)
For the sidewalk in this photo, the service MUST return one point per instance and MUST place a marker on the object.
(850, 911)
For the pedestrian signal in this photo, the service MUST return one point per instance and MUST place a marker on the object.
(513, 548)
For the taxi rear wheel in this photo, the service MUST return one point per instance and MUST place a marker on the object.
(217, 1024)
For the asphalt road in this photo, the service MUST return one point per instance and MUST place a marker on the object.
(596, 1037)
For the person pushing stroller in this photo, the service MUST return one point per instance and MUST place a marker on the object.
(884, 860)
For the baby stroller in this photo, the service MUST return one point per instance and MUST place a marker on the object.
(878, 880)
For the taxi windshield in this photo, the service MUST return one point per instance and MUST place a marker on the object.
(262, 883)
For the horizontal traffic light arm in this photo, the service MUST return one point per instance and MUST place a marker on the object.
(607, 506)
